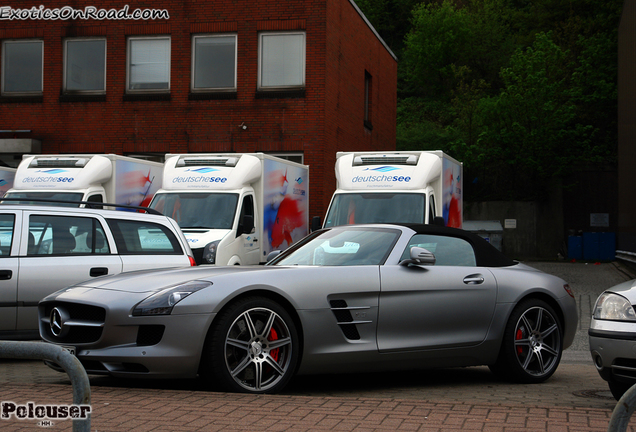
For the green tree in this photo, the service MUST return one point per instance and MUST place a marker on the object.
(391, 19)
(532, 131)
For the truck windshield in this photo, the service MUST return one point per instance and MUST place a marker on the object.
(358, 208)
(198, 210)
(60, 196)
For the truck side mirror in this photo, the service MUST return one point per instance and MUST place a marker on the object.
(419, 256)
(246, 225)
(315, 223)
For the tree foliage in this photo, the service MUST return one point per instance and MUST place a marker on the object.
(521, 91)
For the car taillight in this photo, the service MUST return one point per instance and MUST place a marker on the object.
(192, 261)
(567, 288)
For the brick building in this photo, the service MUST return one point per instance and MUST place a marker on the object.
(302, 79)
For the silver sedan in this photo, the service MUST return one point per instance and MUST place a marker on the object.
(612, 337)
(344, 299)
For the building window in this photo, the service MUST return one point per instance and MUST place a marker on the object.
(22, 63)
(85, 65)
(367, 100)
(213, 62)
(148, 64)
(281, 60)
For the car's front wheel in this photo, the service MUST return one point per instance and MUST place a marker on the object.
(252, 348)
(532, 343)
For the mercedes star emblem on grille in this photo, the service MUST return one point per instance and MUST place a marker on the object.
(57, 319)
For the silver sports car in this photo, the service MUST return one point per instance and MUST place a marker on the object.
(345, 299)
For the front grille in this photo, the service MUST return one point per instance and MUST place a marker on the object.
(79, 311)
(80, 323)
(624, 367)
(58, 163)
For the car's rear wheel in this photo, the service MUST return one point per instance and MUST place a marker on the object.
(532, 343)
(252, 348)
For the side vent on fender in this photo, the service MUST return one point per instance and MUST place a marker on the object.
(345, 320)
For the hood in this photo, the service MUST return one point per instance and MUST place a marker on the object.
(198, 238)
(626, 289)
(154, 280)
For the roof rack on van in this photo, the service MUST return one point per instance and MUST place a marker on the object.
(87, 204)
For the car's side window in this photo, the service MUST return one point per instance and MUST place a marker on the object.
(7, 223)
(448, 251)
(65, 235)
(141, 238)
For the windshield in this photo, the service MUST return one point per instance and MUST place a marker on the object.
(346, 246)
(359, 208)
(61, 196)
(198, 210)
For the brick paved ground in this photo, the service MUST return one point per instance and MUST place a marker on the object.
(116, 409)
(449, 400)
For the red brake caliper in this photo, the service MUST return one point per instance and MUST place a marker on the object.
(519, 336)
(272, 337)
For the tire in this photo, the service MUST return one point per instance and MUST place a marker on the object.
(532, 343)
(253, 347)
(618, 389)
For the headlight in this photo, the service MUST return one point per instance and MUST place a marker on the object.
(162, 302)
(614, 307)
(209, 252)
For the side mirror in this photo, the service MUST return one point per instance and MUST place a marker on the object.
(273, 254)
(315, 223)
(419, 256)
(246, 226)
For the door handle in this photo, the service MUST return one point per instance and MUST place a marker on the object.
(6, 274)
(98, 271)
(475, 279)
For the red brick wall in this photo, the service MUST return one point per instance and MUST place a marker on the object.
(352, 49)
(340, 47)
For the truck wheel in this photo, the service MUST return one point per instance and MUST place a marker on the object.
(532, 343)
(252, 348)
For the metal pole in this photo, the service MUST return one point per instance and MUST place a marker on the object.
(66, 360)
(623, 411)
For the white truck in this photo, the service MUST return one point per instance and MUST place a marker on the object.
(7, 175)
(98, 178)
(235, 209)
(396, 187)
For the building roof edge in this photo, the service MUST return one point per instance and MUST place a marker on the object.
(355, 6)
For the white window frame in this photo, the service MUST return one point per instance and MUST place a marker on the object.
(193, 68)
(3, 65)
(260, 60)
(128, 52)
(65, 73)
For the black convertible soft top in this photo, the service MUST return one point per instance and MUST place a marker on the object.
(485, 253)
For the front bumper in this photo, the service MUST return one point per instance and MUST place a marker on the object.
(164, 346)
(613, 349)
